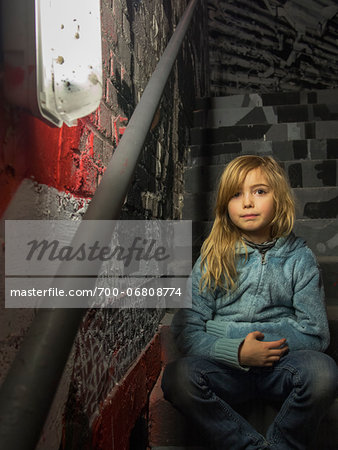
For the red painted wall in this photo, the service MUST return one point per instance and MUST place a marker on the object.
(120, 410)
(59, 157)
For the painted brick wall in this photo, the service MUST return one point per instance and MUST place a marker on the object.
(271, 45)
(49, 173)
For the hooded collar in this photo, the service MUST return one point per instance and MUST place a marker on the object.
(282, 246)
(263, 247)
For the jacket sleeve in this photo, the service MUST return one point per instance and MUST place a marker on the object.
(189, 327)
(309, 329)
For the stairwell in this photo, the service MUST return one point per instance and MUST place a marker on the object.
(300, 129)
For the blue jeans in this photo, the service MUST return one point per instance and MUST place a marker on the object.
(207, 392)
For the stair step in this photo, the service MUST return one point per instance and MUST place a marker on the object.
(279, 132)
(321, 96)
(167, 426)
(281, 150)
(312, 203)
(305, 173)
(179, 448)
(169, 430)
(255, 115)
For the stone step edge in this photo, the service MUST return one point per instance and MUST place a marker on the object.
(289, 161)
(308, 141)
(215, 160)
(304, 98)
(282, 105)
(205, 118)
(178, 448)
(222, 153)
(292, 131)
(287, 124)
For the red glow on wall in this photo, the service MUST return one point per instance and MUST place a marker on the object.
(59, 157)
(119, 125)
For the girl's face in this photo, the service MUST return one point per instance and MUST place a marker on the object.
(252, 208)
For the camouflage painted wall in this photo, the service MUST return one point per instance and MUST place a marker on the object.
(272, 45)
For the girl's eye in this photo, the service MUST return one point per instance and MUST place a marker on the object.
(236, 195)
(260, 191)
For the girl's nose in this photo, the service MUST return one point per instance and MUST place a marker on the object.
(248, 201)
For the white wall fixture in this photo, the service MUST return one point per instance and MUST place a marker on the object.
(52, 57)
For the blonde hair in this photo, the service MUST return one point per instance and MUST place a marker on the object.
(218, 252)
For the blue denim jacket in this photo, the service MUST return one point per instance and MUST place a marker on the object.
(280, 295)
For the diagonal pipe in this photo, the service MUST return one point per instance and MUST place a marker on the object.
(29, 388)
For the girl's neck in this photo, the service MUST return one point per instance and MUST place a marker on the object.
(257, 239)
(262, 246)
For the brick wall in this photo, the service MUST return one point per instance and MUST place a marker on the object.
(271, 45)
(49, 173)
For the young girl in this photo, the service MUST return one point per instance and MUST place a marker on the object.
(257, 326)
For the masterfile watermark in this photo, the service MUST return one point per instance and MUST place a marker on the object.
(97, 263)
(140, 249)
(122, 247)
(82, 293)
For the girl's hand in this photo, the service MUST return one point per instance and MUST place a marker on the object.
(254, 352)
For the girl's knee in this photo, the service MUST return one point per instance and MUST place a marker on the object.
(327, 382)
(319, 374)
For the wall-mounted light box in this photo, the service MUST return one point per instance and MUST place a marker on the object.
(52, 57)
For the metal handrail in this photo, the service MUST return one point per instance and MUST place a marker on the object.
(28, 390)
